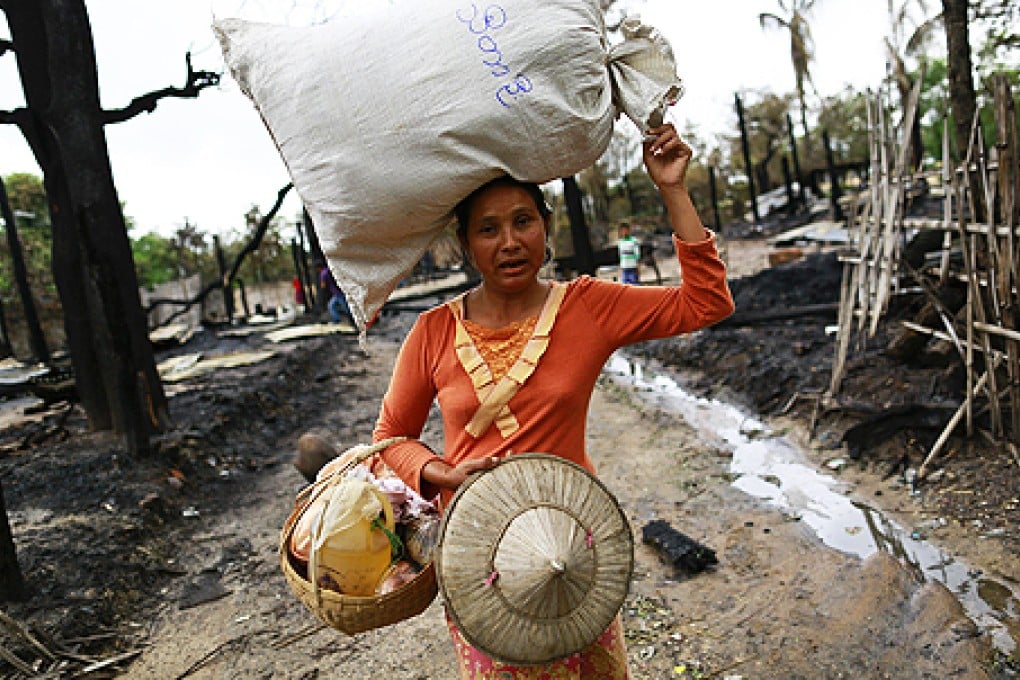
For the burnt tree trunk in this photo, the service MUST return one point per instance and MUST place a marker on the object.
(962, 99)
(12, 582)
(107, 334)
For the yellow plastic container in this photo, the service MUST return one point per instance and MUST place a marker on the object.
(355, 559)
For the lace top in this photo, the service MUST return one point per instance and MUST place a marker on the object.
(501, 347)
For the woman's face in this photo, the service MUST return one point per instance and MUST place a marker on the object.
(506, 237)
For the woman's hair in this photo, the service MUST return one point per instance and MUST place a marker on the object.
(462, 211)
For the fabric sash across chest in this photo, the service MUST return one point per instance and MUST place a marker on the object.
(493, 396)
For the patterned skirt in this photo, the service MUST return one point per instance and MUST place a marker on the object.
(604, 659)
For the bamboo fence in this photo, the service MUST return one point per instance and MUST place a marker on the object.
(986, 333)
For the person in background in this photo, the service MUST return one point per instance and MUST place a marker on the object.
(299, 291)
(629, 249)
(514, 361)
(337, 305)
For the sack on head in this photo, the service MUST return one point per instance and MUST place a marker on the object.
(387, 120)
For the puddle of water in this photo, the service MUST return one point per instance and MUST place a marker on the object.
(775, 470)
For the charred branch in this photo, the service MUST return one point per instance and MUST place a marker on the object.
(6, 46)
(196, 82)
(231, 274)
(10, 117)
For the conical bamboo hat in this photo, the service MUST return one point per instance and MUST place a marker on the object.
(534, 559)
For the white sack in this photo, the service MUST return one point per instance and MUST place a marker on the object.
(387, 120)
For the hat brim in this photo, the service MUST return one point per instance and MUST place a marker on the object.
(534, 559)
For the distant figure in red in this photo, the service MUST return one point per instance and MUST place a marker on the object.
(299, 291)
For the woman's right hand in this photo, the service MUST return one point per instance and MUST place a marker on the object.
(666, 157)
(446, 476)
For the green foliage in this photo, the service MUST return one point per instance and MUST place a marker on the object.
(156, 259)
(845, 117)
(32, 218)
(27, 194)
(765, 118)
(999, 21)
(935, 111)
(273, 260)
(933, 107)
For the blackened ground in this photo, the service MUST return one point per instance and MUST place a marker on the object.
(103, 527)
(98, 532)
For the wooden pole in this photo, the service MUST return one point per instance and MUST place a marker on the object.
(834, 191)
(228, 291)
(791, 205)
(715, 199)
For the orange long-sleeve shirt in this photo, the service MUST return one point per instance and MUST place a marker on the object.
(595, 318)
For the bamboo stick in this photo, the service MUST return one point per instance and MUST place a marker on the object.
(948, 430)
(892, 212)
(1008, 188)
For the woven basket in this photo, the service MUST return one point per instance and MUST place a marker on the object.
(348, 613)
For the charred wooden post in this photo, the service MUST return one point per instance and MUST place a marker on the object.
(791, 205)
(244, 296)
(317, 256)
(37, 340)
(834, 190)
(584, 256)
(745, 148)
(225, 278)
(714, 195)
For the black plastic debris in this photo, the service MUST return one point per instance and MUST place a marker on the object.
(685, 553)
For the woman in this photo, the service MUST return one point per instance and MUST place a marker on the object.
(514, 361)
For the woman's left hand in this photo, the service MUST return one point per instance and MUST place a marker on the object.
(666, 157)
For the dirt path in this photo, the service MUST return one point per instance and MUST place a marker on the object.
(779, 604)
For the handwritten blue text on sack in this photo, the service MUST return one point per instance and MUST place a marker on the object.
(483, 24)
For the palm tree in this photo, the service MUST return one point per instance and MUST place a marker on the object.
(801, 45)
(901, 46)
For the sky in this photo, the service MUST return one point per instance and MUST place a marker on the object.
(208, 160)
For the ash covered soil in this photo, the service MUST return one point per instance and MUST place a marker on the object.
(166, 567)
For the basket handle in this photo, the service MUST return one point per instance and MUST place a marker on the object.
(308, 494)
(363, 453)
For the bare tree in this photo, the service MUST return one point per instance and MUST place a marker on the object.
(62, 122)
